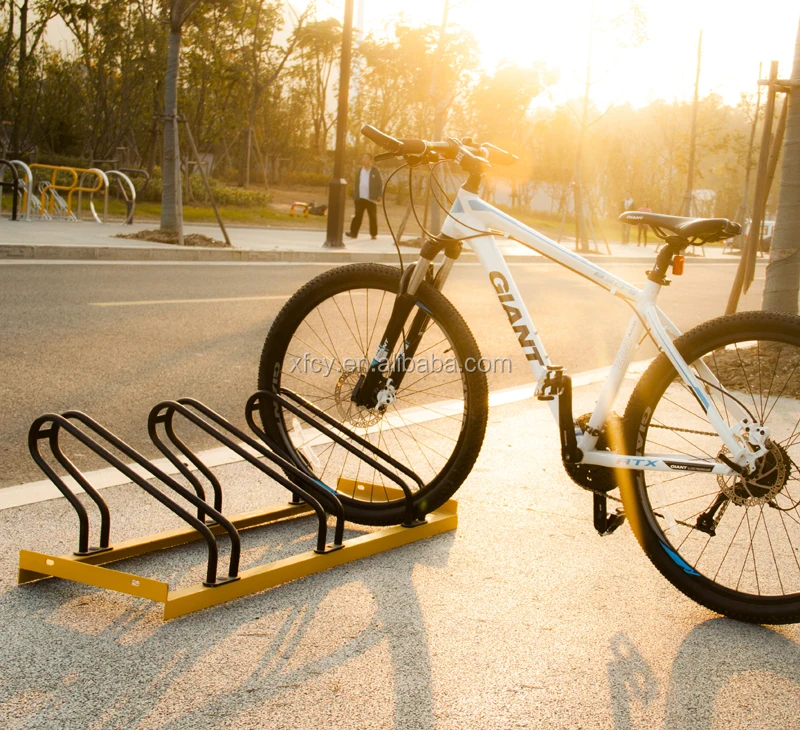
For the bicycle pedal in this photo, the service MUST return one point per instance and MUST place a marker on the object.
(606, 523)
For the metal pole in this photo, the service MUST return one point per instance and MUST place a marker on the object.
(581, 238)
(687, 198)
(440, 110)
(337, 190)
(178, 189)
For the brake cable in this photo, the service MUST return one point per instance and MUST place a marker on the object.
(386, 215)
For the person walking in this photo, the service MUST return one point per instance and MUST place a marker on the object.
(366, 195)
(627, 204)
(641, 233)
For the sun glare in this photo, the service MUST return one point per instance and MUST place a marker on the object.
(736, 37)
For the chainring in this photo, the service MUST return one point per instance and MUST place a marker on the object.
(597, 478)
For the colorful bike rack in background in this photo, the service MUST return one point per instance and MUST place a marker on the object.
(47, 192)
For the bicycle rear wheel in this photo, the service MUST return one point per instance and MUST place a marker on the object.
(324, 340)
(731, 543)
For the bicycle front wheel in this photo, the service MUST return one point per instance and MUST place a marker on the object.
(731, 543)
(323, 341)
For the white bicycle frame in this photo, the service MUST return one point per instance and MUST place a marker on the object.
(469, 212)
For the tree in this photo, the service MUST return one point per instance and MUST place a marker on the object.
(318, 45)
(33, 19)
(500, 103)
(180, 10)
(783, 272)
(263, 59)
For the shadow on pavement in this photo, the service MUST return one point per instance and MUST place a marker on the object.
(630, 680)
(87, 659)
(717, 652)
(722, 667)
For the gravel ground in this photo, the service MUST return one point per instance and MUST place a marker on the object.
(523, 618)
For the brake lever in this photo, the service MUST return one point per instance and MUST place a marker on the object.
(384, 156)
(499, 156)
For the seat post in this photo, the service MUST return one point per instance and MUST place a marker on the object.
(658, 274)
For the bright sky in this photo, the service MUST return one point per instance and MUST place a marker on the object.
(737, 35)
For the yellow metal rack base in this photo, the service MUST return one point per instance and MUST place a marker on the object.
(87, 569)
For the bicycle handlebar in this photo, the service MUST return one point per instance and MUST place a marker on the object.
(471, 157)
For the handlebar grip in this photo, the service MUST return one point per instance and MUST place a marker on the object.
(413, 146)
(381, 139)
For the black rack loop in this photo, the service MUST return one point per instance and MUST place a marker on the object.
(313, 491)
(254, 403)
(63, 422)
(38, 432)
(187, 473)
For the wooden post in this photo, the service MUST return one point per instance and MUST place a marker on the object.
(741, 216)
(261, 161)
(403, 223)
(777, 143)
(247, 163)
(753, 236)
(429, 183)
(205, 181)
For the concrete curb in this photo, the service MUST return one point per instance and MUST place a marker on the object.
(142, 253)
(238, 255)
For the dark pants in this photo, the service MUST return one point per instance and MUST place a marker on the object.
(641, 236)
(372, 212)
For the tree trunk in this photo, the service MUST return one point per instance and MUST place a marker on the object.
(688, 198)
(581, 237)
(17, 134)
(783, 273)
(170, 182)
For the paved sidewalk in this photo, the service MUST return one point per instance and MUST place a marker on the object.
(85, 240)
(523, 618)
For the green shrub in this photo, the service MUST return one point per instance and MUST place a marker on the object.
(223, 194)
(311, 179)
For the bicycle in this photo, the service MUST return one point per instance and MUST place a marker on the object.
(705, 481)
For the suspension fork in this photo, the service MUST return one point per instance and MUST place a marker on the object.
(376, 378)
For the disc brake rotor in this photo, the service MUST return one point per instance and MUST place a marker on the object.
(355, 415)
(760, 487)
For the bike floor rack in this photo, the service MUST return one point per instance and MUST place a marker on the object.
(206, 520)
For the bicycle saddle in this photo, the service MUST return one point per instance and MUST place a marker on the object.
(703, 229)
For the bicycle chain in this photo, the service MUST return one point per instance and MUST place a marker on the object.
(684, 430)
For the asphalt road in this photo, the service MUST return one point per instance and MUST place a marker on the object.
(190, 329)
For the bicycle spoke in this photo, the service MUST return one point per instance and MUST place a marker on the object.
(778, 397)
(355, 319)
(349, 328)
(772, 550)
(774, 370)
(724, 405)
(746, 379)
